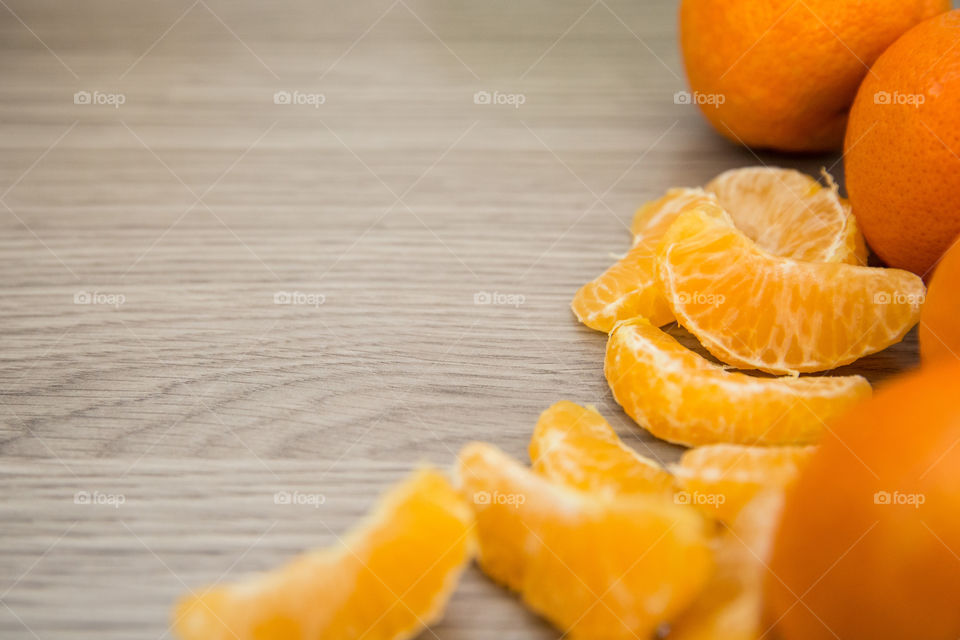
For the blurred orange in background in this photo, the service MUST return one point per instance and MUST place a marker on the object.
(869, 542)
(940, 316)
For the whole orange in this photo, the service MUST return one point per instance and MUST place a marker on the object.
(903, 147)
(940, 315)
(782, 73)
(869, 539)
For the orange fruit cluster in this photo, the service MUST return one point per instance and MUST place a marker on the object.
(766, 268)
(782, 74)
(606, 543)
(599, 540)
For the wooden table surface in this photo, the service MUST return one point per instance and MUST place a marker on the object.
(145, 236)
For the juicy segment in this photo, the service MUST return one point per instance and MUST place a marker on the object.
(629, 287)
(785, 212)
(754, 310)
(789, 214)
(594, 567)
(682, 397)
(387, 579)
(576, 447)
(731, 605)
(724, 477)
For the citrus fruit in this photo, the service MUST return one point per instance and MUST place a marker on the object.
(575, 446)
(731, 606)
(902, 149)
(754, 310)
(782, 74)
(679, 396)
(387, 580)
(786, 212)
(940, 317)
(653, 218)
(868, 544)
(595, 567)
(629, 288)
(789, 214)
(724, 477)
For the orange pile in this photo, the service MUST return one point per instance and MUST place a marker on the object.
(782, 73)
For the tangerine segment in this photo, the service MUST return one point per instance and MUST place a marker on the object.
(788, 213)
(654, 218)
(754, 310)
(629, 287)
(386, 580)
(595, 567)
(724, 477)
(731, 605)
(679, 396)
(576, 447)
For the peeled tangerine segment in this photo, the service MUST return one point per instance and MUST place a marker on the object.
(595, 567)
(629, 288)
(730, 607)
(722, 478)
(787, 213)
(755, 310)
(575, 446)
(387, 580)
(682, 397)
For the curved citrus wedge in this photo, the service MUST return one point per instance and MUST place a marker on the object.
(595, 567)
(731, 605)
(754, 310)
(576, 447)
(386, 580)
(725, 477)
(789, 214)
(785, 212)
(679, 396)
(629, 288)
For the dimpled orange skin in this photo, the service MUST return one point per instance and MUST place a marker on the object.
(788, 71)
(940, 315)
(903, 173)
(868, 565)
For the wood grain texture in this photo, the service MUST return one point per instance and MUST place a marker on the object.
(398, 201)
